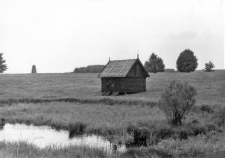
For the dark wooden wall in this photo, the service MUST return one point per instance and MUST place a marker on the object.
(136, 71)
(124, 84)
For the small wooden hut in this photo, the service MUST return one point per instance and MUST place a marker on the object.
(123, 76)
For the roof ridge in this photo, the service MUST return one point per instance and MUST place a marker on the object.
(123, 60)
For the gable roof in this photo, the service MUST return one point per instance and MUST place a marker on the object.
(119, 68)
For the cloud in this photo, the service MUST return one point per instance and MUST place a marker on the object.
(185, 35)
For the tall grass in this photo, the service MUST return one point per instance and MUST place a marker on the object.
(79, 117)
(23, 150)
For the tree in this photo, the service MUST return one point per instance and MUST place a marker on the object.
(3, 66)
(186, 61)
(34, 70)
(176, 101)
(209, 66)
(154, 64)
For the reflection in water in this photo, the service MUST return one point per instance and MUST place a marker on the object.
(44, 136)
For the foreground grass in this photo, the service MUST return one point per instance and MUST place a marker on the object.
(24, 150)
(209, 145)
(202, 146)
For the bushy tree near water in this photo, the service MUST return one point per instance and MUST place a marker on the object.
(209, 66)
(154, 64)
(177, 100)
(3, 65)
(187, 61)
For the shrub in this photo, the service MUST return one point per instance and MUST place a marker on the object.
(176, 101)
(206, 108)
(221, 117)
(186, 61)
(209, 66)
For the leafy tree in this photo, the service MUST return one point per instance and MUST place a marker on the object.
(3, 66)
(154, 64)
(176, 101)
(186, 61)
(34, 70)
(209, 66)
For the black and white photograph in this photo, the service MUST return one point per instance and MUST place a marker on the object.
(112, 79)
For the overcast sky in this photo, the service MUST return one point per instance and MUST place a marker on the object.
(59, 35)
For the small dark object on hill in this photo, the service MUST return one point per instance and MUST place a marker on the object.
(34, 70)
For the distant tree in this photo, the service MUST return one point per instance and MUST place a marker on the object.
(89, 69)
(209, 66)
(154, 64)
(34, 70)
(3, 66)
(186, 61)
(160, 64)
(170, 70)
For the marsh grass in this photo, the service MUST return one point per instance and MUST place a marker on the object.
(210, 145)
(23, 150)
(81, 118)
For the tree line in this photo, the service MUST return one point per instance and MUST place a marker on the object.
(89, 69)
(186, 62)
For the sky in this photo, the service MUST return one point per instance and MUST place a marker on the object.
(60, 35)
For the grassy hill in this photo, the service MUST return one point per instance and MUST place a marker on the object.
(210, 86)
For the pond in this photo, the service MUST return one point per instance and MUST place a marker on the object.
(44, 136)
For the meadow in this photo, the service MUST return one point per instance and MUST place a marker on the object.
(210, 86)
(74, 102)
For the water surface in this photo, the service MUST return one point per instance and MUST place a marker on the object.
(44, 136)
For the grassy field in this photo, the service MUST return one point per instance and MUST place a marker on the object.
(210, 86)
(74, 102)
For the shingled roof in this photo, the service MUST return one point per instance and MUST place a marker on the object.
(119, 68)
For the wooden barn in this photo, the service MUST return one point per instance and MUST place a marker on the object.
(123, 76)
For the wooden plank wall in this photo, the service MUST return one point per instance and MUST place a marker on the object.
(137, 84)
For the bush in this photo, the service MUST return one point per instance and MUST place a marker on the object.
(176, 101)
(209, 66)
